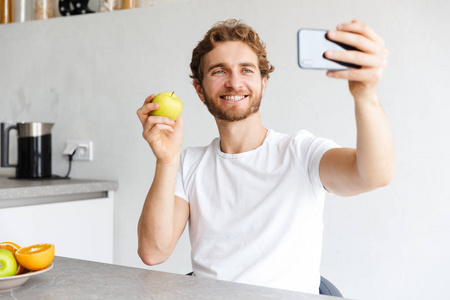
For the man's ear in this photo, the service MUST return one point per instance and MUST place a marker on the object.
(263, 83)
(199, 89)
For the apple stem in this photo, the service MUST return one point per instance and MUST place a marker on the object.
(172, 94)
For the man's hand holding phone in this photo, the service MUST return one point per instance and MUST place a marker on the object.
(372, 56)
(354, 51)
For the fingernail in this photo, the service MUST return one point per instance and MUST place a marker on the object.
(331, 34)
(328, 54)
(339, 27)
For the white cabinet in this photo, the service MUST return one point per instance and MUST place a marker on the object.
(81, 229)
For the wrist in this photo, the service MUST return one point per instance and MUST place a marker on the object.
(169, 162)
(368, 96)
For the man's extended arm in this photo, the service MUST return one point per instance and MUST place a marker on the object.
(371, 165)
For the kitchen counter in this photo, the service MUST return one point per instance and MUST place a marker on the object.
(77, 215)
(23, 192)
(80, 279)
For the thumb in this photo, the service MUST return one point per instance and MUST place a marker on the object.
(179, 122)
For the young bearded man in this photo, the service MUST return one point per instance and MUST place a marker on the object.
(254, 197)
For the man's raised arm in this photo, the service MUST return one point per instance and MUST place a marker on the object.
(163, 216)
(371, 165)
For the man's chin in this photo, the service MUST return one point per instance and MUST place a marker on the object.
(230, 118)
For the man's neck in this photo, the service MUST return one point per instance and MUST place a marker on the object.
(241, 136)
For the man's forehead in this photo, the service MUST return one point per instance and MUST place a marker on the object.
(231, 52)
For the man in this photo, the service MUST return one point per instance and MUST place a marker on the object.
(254, 197)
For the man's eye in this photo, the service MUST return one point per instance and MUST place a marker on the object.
(248, 71)
(218, 72)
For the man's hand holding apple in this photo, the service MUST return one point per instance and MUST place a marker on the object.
(165, 136)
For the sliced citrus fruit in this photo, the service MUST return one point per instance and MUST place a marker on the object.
(36, 257)
(12, 247)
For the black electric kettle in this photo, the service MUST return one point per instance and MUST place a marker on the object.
(34, 149)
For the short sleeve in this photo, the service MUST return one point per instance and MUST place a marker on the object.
(318, 149)
(179, 188)
(310, 150)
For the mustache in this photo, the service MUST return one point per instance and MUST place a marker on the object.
(234, 92)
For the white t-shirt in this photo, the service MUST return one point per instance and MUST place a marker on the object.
(256, 217)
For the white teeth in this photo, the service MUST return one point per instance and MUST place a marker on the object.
(234, 98)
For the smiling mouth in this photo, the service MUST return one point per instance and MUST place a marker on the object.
(234, 98)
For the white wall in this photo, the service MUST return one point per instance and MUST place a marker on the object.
(89, 74)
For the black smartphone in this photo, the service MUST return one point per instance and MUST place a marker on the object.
(312, 44)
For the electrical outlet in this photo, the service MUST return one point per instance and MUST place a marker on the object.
(83, 150)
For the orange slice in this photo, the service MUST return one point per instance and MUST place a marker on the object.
(12, 247)
(36, 257)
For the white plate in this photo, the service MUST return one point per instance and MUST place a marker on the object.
(12, 282)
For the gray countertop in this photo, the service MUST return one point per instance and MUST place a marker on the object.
(15, 192)
(79, 279)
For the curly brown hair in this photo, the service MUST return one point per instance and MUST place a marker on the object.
(229, 30)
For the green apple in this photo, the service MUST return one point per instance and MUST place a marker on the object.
(170, 105)
(8, 264)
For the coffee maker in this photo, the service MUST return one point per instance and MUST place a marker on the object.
(34, 149)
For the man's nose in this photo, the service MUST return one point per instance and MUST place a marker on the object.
(234, 81)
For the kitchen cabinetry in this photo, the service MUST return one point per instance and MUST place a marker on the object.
(80, 228)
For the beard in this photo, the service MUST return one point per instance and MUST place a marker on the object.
(232, 114)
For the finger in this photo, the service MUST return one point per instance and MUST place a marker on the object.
(156, 131)
(356, 40)
(161, 128)
(154, 120)
(357, 58)
(179, 121)
(149, 99)
(144, 111)
(363, 29)
(360, 75)
(147, 108)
